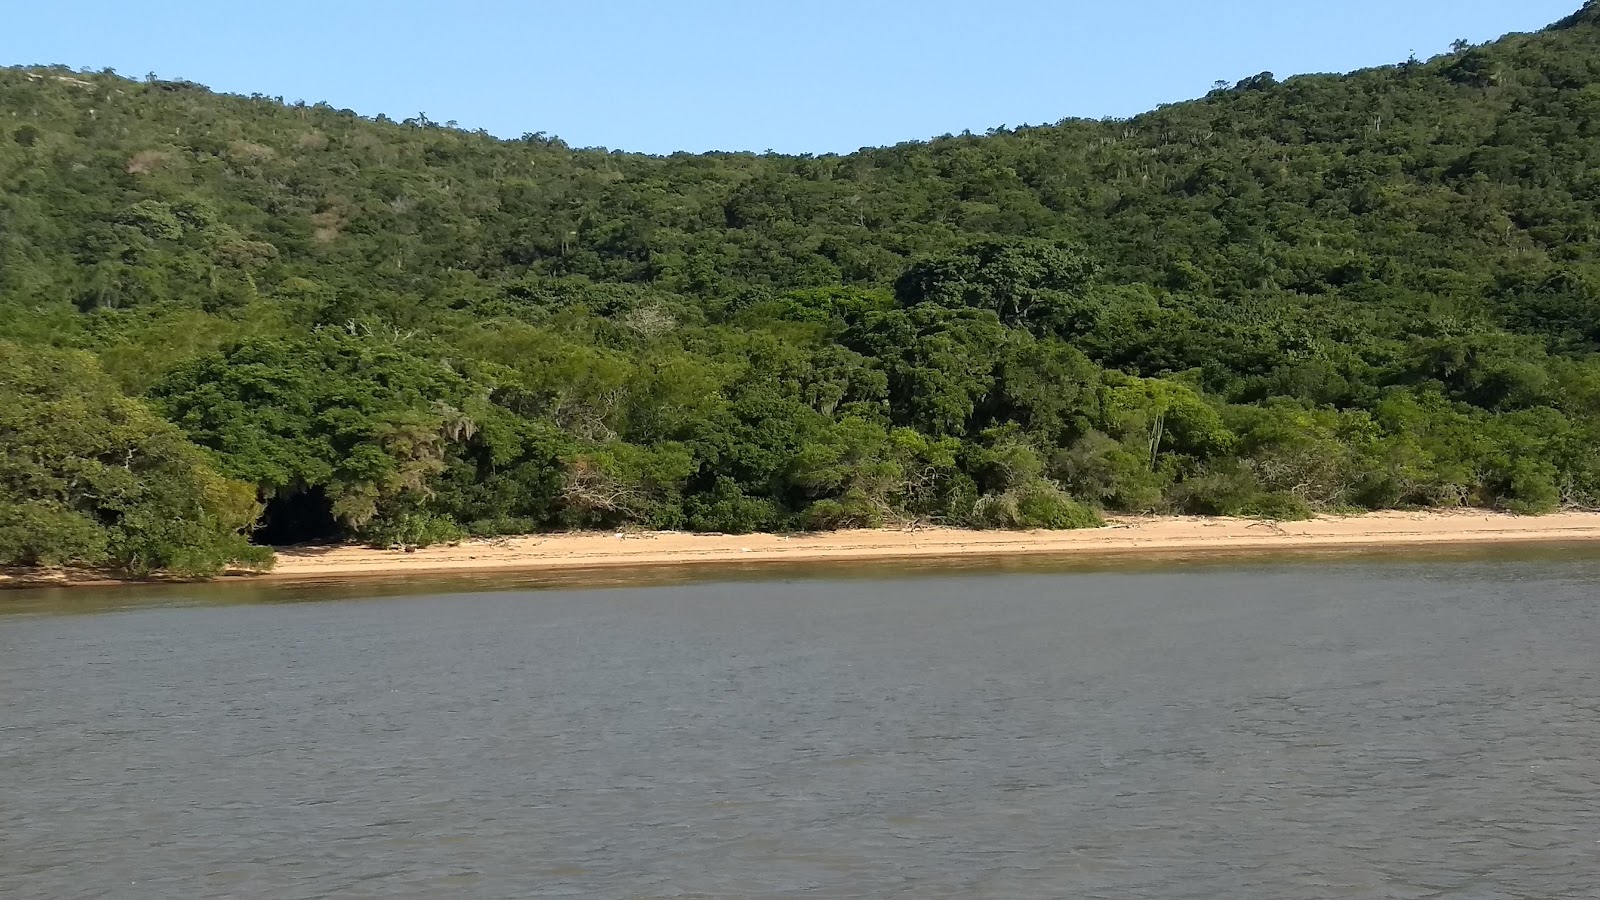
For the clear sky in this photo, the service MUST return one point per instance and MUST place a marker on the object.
(818, 76)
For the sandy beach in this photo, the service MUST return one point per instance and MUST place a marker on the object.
(1125, 536)
(1122, 537)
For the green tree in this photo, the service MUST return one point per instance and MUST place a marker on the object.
(1026, 283)
(89, 477)
(360, 418)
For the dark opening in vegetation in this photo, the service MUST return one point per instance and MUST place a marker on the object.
(302, 517)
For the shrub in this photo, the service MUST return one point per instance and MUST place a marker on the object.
(1107, 472)
(1529, 488)
(852, 510)
(410, 528)
(1037, 504)
(34, 533)
(725, 509)
(1232, 490)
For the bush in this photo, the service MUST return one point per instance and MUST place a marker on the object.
(1529, 488)
(853, 510)
(1108, 473)
(1036, 505)
(503, 526)
(1218, 492)
(1232, 490)
(33, 533)
(410, 528)
(727, 510)
(1276, 505)
(960, 499)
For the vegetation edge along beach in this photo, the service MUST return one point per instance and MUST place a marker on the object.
(233, 323)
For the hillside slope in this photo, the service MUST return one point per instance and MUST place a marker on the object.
(1361, 290)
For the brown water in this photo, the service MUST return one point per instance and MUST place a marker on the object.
(1393, 728)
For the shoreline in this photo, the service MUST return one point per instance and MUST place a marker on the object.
(1123, 537)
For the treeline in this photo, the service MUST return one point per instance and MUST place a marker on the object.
(232, 317)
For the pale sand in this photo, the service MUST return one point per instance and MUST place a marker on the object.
(1125, 536)
(1122, 538)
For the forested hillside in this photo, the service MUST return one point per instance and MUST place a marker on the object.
(1328, 292)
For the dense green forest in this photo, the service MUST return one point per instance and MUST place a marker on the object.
(233, 317)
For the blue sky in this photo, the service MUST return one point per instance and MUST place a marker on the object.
(819, 76)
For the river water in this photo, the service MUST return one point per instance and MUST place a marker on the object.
(1396, 728)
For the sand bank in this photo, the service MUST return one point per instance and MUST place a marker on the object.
(1122, 537)
(1138, 536)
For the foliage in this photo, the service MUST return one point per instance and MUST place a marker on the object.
(90, 477)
